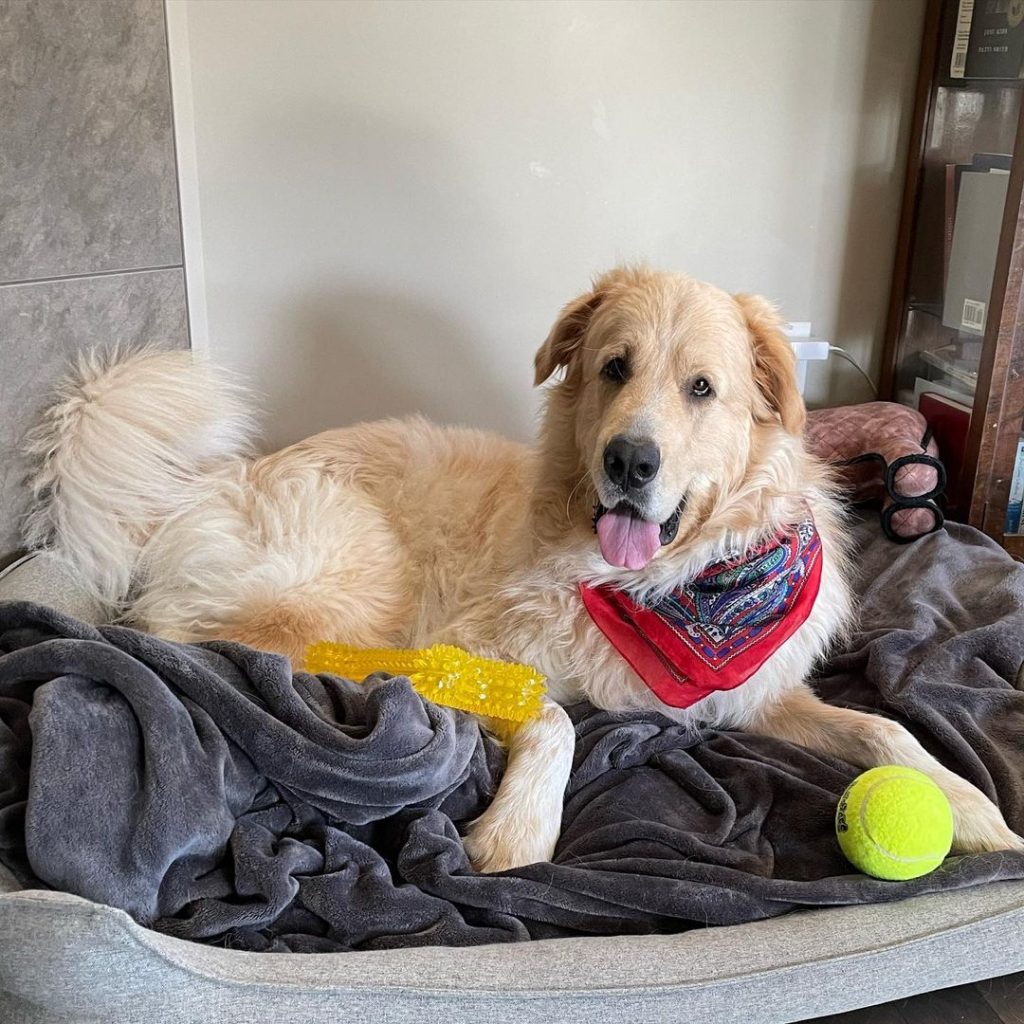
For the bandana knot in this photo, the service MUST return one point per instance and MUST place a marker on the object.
(717, 630)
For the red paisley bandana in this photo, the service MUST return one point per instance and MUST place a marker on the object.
(715, 632)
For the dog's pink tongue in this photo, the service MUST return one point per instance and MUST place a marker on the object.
(627, 542)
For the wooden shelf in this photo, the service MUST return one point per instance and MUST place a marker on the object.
(1014, 544)
(955, 119)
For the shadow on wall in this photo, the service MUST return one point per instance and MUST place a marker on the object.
(350, 340)
(363, 355)
(874, 208)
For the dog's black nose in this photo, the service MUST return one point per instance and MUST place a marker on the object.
(631, 465)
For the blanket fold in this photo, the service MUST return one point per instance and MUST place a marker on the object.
(217, 797)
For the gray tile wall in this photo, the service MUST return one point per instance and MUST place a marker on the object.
(90, 242)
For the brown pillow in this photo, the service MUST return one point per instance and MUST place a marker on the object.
(883, 452)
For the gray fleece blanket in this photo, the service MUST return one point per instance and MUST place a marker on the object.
(215, 797)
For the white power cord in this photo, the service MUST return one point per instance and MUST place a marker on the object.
(806, 349)
(843, 354)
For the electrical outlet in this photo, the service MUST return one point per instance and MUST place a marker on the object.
(798, 333)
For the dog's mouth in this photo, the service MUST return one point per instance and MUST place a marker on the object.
(627, 539)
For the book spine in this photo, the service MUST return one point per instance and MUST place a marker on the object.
(949, 221)
(1016, 499)
(961, 39)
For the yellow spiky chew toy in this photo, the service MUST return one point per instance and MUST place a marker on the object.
(443, 674)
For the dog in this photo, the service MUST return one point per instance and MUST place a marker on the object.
(669, 485)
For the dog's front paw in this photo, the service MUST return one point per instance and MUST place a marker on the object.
(498, 841)
(978, 825)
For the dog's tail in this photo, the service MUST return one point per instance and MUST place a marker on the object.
(129, 440)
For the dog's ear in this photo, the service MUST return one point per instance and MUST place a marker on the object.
(566, 336)
(774, 362)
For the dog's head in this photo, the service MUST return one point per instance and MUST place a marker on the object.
(667, 382)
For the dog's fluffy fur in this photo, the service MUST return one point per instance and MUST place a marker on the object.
(401, 533)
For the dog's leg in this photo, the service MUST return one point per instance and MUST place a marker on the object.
(523, 822)
(869, 740)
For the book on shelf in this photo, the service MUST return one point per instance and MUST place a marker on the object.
(953, 173)
(1016, 498)
(995, 163)
(988, 42)
(950, 422)
(959, 361)
(1000, 163)
(978, 220)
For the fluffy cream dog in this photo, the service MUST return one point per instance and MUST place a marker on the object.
(671, 442)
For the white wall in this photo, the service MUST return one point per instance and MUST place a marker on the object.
(387, 202)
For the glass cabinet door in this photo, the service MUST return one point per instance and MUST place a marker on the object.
(948, 308)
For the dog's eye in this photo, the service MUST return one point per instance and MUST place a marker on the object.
(616, 370)
(701, 388)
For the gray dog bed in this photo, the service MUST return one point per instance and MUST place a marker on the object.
(939, 645)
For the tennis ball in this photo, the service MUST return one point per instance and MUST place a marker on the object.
(894, 823)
